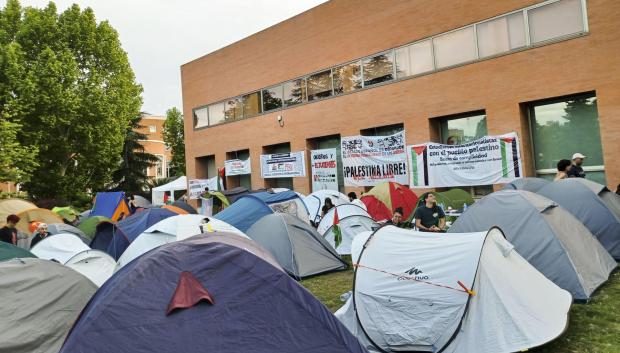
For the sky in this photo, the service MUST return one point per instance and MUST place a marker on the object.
(161, 35)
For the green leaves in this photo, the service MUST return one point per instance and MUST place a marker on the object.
(174, 137)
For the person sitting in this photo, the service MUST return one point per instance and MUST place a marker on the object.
(42, 233)
(397, 218)
(564, 165)
(329, 204)
(8, 233)
(429, 217)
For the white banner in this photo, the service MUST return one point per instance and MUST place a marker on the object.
(197, 186)
(370, 160)
(283, 165)
(324, 169)
(238, 167)
(488, 160)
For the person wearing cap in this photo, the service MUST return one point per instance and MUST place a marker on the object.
(8, 233)
(42, 233)
(576, 171)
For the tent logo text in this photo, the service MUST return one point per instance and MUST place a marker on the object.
(413, 273)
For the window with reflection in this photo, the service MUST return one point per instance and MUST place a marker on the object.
(379, 68)
(272, 98)
(294, 92)
(201, 117)
(234, 109)
(251, 104)
(414, 59)
(455, 47)
(347, 77)
(319, 85)
(501, 34)
(216, 113)
(554, 20)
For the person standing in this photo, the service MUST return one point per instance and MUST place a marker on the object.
(576, 171)
(429, 217)
(132, 204)
(8, 233)
(564, 166)
(354, 200)
(42, 233)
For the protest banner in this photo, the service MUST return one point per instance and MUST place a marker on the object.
(324, 169)
(197, 186)
(238, 167)
(283, 165)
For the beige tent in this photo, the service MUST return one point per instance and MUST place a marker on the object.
(13, 206)
(36, 215)
(41, 300)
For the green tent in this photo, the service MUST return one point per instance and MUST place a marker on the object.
(66, 212)
(89, 226)
(10, 251)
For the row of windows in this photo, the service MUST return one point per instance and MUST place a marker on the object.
(514, 31)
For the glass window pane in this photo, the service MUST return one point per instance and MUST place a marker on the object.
(234, 109)
(555, 20)
(379, 68)
(320, 85)
(272, 98)
(251, 104)
(501, 34)
(421, 56)
(294, 92)
(403, 68)
(563, 128)
(455, 47)
(201, 117)
(462, 130)
(216, 113)
(347, 77)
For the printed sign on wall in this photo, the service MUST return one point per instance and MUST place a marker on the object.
(283, 165)
(197, 186)
(238, 167)
(324, 169)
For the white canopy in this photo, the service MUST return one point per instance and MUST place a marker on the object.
(60, 247)
(96, 265)
(157, 194)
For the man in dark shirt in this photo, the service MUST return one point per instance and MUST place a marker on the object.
(42, 233)
(429, 217)
(576, 171)
(8, 233)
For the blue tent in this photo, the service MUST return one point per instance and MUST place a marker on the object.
(209, 293)
(110, 205)
(115, 238)
(275, 197)
(246, 211)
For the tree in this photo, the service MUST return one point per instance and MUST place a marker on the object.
(131, 174)
(174, 137)
(74, 96)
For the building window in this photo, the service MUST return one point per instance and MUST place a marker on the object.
(501, 34)
(216, 113)
(251, 104)
(563, 127)
(414, 59)
(294, 92)
(385, 130)
(201, 118)
(233, 109)
(555, 20)
(378, 69)
(320, 85)
(455, 47)
(272, 98)
(347, 77)
(160, 167)
(152, 128)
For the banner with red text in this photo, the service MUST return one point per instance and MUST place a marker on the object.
(324, 169)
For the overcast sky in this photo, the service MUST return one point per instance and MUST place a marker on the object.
(161, 35)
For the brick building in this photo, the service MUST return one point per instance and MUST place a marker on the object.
(437, 69)
(152, 126)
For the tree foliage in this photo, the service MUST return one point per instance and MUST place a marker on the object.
(174, 137)
(70, 91)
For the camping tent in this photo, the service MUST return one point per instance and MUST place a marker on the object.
(299, 249)
(67, 212)
(10, 251)
(315, 202)
(59, 247)
(245, 212)
(185, 207)
(579, 197)
(384, 198)
(96, 265)
(13, 206)
(237, 299)
(115, 238)
(233, 194)
(41, 300)
(467, 293)
(36, 215)
(111, 205)
(528, 184)
(285, 201)
(57, 228)
(173, 229)
(546, 235)
(141, 201)
(352, 220)
(89, 225)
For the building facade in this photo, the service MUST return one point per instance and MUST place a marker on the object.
(444, 71)
(152, 126)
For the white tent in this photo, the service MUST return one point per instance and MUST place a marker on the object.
(157, 193)
(407, 295)
(96, 265)
(353, 220)
(315, 201)
(172, 229)
(59, 247)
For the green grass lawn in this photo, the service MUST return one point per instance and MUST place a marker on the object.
(593, 327)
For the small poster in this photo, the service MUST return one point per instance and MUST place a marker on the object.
(324, 169)
(238, 167)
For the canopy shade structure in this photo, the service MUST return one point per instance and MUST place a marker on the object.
(530, 184)
(13, 206)
(546, 235)
(111, 205)
(383, 199)
(41, 300)
(299, 249)
(235, 299)
(157, 193)
(593, 205)
(352, 220)
(418, 293)
(89, 225)
(316, 200)
(10, 251)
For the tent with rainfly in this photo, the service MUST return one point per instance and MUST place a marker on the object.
(285, 201)
(110, 205)
(345, 222)
(530, 184)
(299, 249)
(466, 293)
(13, 206)
(89, 226)
(68, 213)
(57, 228)
(384, 198)
(546, 235)
(209, 293)
(316, 200)
(592, 204)
(10, 251)
(246, 211)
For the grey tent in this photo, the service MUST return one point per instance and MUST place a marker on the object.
(546, 235)
(299, 249)
(527, 184)
(58, 228)
(41, 300)
(591, 203)
(141, 201)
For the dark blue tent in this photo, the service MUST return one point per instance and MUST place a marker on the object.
(209, 293)
(246, 211)
(110, 205)
(115, 238)
(275, 197)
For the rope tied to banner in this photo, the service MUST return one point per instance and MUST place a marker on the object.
(463, 288)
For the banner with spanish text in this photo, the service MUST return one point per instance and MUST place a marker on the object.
(238, 167)
(197, 186)
(324, 169)
(283, 165)
(488, 160)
